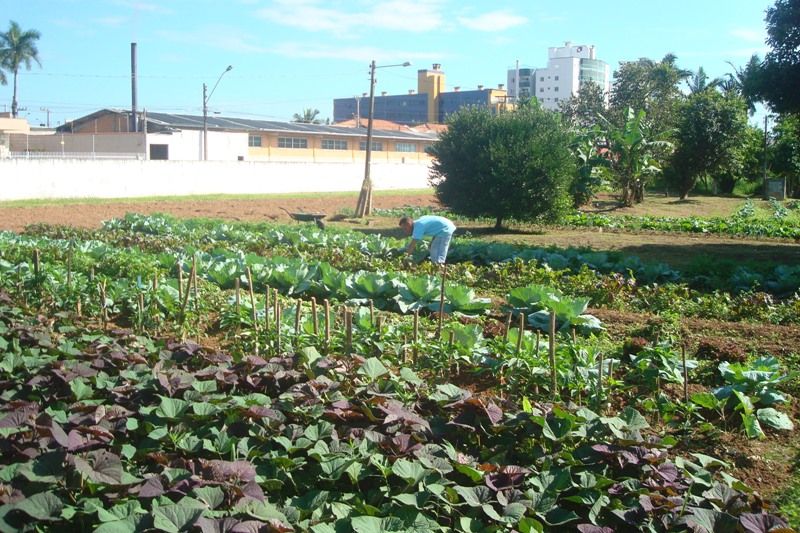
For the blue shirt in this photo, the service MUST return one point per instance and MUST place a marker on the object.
(431, 226)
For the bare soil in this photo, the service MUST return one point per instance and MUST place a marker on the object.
(92, 214)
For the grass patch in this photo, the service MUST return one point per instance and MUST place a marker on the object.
(202, 198)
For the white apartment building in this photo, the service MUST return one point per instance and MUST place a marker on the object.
(568, 68)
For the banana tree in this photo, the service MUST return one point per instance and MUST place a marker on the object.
(631, 153)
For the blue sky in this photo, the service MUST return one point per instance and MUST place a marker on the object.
(293, 54)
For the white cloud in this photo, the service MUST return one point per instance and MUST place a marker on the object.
(315, 16)
(493, 21)
(112, 22)
(143, 6)
(355, 53)
(223, 38)
(745, 34)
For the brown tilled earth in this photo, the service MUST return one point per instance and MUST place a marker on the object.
(90, 215)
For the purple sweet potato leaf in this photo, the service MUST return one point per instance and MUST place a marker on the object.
(151, 488)
(100, 466)
(762, 523)
(229, 471)
(21, 413)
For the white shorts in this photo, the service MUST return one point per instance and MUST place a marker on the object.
(439, 246)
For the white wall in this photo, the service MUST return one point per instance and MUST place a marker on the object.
(187, 145)
(22, 179)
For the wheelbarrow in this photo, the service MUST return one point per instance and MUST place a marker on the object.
(307, 217)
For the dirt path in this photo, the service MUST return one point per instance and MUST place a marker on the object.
(91, 215)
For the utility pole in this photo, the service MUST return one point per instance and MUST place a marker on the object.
(206, 98)
(364, 205)
(46, 110)
(766, 117)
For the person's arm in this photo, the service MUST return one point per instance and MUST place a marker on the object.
(411, 247)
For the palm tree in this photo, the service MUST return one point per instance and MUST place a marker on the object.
(308, 116)
(744, 81)
(699, 82)
(17, 48)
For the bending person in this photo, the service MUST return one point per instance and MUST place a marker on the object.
(440, 228)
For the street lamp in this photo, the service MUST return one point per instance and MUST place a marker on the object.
(364, 206)
(205, 111)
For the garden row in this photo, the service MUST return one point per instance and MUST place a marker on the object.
(114, 431)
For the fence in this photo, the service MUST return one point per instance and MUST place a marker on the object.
(74, 155)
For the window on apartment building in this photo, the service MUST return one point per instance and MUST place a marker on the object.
(405, 147)
(555, 88)
(254, 140)
(334, 144)
(292, 142)
(541, 89)
(556, 78)
(376, 146)
(541, 78)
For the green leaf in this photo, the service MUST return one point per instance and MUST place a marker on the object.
(80, 389)
(470, 525)
(474, 496)
(177, 517)
(705, 399)
(211, 496)
(373, 524)
(205, 386)
(101, 467)
(633, 419)
(410, 471)
(373, 369)
(752, 428)
(171, 408)
(131, 524)
(41, 506)
(775, 419)
(472, 473)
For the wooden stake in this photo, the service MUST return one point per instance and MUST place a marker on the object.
(297, 314)
(253, 306)
(193, 281)
(155, 279)
(371, 312)
(685, 375)
(37, 263)
(180, 282)
(315, 318)
(348, 328)
(69, 269)
(521, 332)
(327, 306)
(236, 287)
(508, 326)
(553, 378)
(78, 308)
(379, 326)
(277, 328)
(600, 383)
(415, 339)
(103, 316)
(441, 302)
(186, 298)
(538, 340)
(141, 309)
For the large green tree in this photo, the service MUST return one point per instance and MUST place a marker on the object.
(583, 109)
(512, 165)
(780, 72)
(785, 152)
(18, 48)
(711, 130)
(649, 86)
